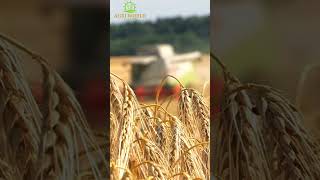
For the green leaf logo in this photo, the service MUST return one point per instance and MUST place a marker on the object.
(130, 7)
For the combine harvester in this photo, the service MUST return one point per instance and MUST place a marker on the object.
(153, 63)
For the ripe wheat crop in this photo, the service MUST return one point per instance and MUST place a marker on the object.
(51, 142)
(147, 142)
(259, 134)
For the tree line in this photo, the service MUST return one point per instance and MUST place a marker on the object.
(185, 34)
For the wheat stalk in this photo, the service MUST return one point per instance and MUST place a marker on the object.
(46, 144)
(154, 144)
(265, 136)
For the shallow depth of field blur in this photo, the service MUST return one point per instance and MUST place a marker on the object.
(173, 46)
(59, 31)
(273, 43)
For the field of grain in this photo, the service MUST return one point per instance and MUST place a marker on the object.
(121, 66)
(148, 142)
(259, 133)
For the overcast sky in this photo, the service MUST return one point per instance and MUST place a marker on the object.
(154, 9)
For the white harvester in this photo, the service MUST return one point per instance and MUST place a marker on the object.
(153, 63)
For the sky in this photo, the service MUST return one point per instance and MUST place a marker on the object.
(154, 9)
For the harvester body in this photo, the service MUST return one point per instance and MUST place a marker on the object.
(154, 63)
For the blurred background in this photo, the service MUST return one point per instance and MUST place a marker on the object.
(274, 43)
(166, 41)
(72, 35)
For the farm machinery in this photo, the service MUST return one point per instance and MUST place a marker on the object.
(154, 63)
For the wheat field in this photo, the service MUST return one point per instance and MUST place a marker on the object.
(148, 142)
(258, 134)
